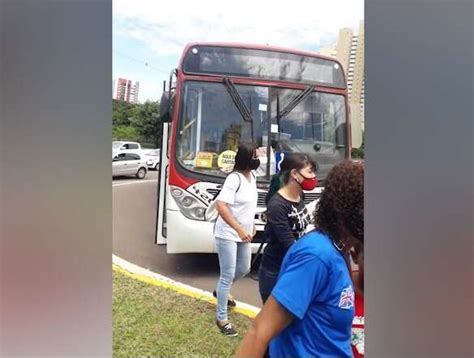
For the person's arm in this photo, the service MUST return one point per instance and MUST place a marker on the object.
(271, 320)
(227, 216)
(277, 216)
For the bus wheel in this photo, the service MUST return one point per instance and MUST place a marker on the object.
(141, 173)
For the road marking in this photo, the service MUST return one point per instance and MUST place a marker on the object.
(134, 182)
(144, 275)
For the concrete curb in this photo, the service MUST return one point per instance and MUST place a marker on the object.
(144, 275)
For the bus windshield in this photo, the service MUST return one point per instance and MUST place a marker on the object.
(316, 122)
(211, 127)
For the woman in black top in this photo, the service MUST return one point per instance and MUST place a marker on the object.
(287, 217)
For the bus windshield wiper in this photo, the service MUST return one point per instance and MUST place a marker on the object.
(290, 106)
(237, 99)
(295, 101)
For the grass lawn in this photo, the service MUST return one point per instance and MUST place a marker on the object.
(156, 322)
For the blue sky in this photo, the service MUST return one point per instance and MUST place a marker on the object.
(149, 35)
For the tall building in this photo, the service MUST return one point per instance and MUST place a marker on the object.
(124, 90)
(349, 50)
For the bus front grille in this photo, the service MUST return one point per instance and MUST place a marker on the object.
(308, 197)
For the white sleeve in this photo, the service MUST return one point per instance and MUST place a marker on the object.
(231, 184)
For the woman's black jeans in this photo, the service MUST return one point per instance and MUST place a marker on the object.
(267, 279)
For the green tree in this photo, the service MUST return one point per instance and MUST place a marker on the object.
(122, 112)
(146, 120)
(124, 133)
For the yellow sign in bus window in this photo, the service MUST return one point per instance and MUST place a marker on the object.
(226, 160)
(204, 160)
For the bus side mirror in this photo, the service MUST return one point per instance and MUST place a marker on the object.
(165, 107)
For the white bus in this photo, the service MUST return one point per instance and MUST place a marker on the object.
(223, 94)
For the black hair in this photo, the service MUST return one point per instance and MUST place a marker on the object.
(294, 161)
(274, 187)
(342, 202)
(291, 161)
(244, 156)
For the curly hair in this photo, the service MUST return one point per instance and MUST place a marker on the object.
(342, 202)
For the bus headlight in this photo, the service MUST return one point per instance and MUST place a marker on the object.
(189, 205)
(200, 212)
(187, 201)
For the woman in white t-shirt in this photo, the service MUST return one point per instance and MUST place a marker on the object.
(236, 205)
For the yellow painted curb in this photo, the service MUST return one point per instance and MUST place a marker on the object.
(179, 289)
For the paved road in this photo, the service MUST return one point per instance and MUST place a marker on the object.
(134, 217)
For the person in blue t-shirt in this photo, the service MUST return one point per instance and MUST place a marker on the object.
(310, 311)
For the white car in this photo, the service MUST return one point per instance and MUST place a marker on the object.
(129, 147)
(129, 164)
(153, 159)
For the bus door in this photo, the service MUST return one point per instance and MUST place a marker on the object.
(163, 185)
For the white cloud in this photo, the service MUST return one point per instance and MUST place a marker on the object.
(164, 28)
(167, 26)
